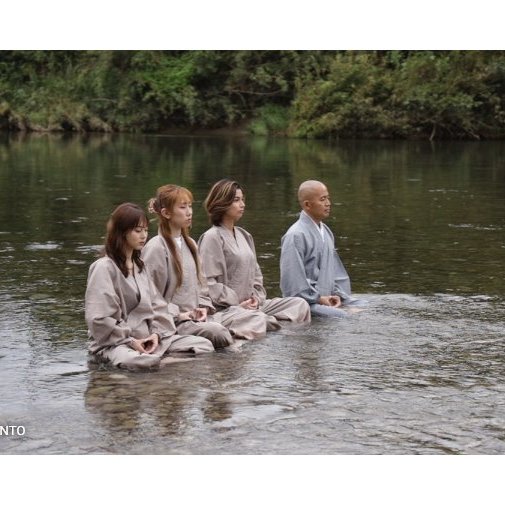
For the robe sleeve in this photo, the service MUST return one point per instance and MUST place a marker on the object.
(155, 259)
(214, 269)
(154, 256)
(294, 280)
(204, 299)
(103, 312)
(258, 288)
(163, 318)
(342, 282)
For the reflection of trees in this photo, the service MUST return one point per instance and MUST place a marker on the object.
(386, 212)
(65, 182)
(393, 202)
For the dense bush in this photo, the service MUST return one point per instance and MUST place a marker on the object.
(428, 94)
(457, 94)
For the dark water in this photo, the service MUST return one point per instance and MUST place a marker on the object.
(419, 226)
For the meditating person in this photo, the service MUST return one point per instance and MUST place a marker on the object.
(229, 261)
(174, 267)
(129, 323)
(310, 265)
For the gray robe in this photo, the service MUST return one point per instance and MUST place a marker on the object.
(191, 294)
(233, 275)
(310, 264)
(118, 309)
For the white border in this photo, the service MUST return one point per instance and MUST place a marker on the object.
(262, 24)
(253, 480)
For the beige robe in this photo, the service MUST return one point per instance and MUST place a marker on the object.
(118, 309)
(233, 275)
(189, 295)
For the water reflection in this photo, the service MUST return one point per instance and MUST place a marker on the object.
(142, 406)
(401, 209)
(410, 375)
(418, 372)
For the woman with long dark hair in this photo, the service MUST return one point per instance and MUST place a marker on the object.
(129, 323)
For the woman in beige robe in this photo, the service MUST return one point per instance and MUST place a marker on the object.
(229, 260)
(174, 266)
(129, 324)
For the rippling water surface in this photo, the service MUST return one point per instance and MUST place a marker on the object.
(420, 228)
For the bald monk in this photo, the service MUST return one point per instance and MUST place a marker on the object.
(310, 265)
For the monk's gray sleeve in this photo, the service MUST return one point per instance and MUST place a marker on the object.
(294, 279)
(342, 283)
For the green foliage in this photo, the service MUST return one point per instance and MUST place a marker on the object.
(448, 91)
(271, 120)
(351, 101)
(454, 94)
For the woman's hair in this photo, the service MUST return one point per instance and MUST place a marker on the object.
(220, 198)
(125, 218)
(166, 198)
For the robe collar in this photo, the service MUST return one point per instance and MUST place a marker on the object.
(305, 218)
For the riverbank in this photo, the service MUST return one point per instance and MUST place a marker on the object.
(297, 94)
(12, 122)
(250, 127)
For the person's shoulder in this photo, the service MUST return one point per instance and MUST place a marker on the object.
(296, 237)
(208, 237)
(103, 262)
(211, 234)
(296, 228)
(155, 242)
(102, 265)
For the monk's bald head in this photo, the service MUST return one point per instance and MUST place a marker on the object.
(308, 190)
(314, 200)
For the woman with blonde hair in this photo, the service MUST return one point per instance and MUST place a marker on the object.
(128, 322)
(175, 269)
(229, 259)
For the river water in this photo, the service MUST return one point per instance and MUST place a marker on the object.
(419, 226)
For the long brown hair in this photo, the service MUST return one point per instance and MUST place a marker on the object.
(125, 218)
(220, 198)
(166, 198)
